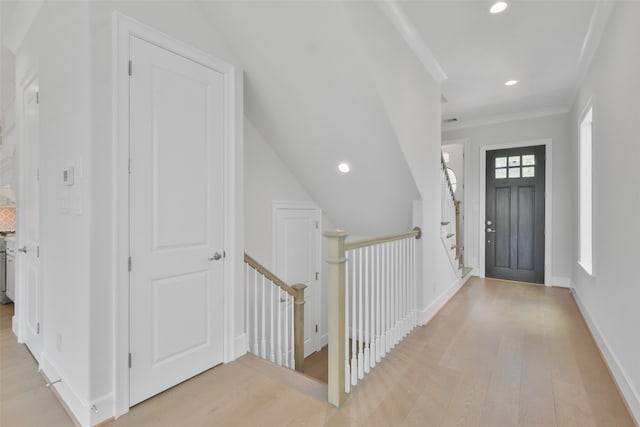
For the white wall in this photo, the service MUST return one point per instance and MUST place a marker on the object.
(58, 48)
(555, 127)
(185, 22)
(412, 101)
(610, 298)
(268, 179)
(69, 46)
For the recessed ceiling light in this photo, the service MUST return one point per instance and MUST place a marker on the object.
(511, 82)
(498, 7)
(344, 167)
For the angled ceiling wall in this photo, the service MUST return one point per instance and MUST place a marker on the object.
(309, 92)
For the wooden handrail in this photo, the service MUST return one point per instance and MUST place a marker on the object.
(446, 175)
(416, 232)
(297, 292)
(269, 275)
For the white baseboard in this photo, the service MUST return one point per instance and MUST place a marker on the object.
(101, 409)
(324, 340)
(14, 325)
(79, 408)
(428, 313)
(562, 282)
(629, 392)
(240, 346)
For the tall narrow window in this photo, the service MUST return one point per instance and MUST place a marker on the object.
(586, 192)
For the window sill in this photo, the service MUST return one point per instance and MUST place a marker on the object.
(588, 268)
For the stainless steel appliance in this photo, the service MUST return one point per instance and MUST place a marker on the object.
(7, 275)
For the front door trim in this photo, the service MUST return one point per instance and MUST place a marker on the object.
(123, 29)
(548, 197)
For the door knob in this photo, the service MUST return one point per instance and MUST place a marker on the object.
(215, 257)
(23, 250)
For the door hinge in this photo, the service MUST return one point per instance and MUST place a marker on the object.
(317, 275)
(38, 328)
(316, 329)
(129, 360)
(38, 251)
(37, 97)
(129, 263)
(130, 68)
(317, 224)
(37, 174)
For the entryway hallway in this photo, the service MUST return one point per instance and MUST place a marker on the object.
(498, 354)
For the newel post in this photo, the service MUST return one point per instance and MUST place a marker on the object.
(298, 328)
(336, 282)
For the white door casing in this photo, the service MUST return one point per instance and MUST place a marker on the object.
(30, 289)
(297, 256)
(176, 204)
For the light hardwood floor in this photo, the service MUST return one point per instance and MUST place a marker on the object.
(499, 354)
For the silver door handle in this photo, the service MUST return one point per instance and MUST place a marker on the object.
(215, 257)
(23, 250)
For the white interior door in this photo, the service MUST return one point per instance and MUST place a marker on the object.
(297, 252)
(29, 226)
(176, 219)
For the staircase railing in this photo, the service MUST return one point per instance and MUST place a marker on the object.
(451, 221)
(372, 296)
(274, 316)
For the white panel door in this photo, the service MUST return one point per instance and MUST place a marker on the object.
(297, 239)
(176, 219)
(29, 227)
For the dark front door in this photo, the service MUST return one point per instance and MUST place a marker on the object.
(514, 228)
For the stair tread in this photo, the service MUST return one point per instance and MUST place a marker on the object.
(450, 235)
(444, 223)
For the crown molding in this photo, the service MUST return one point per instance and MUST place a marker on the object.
(504, 118)
(392, 10)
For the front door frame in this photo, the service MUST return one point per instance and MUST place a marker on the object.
(124, 28)
(548, 198)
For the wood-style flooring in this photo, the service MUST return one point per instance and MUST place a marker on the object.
(498, 354)
(24, 399)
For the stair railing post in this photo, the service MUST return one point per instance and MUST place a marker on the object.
(336, 282)
(298, 326)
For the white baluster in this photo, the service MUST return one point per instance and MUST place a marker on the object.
(360, 317)
(292, 364)
(354, 341)
(272, 354)
(347, 370)
(374, 314)
(367, 283)
(278, 299)
(256, 349)
(246, 305)
(379, 305)
(388, 298)
(263, 350)
(286, 330)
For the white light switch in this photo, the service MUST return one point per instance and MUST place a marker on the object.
(67, 176)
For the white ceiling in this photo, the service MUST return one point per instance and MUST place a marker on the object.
(539, 43)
